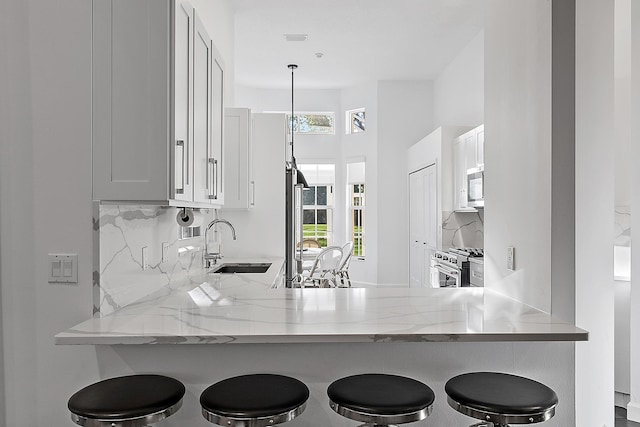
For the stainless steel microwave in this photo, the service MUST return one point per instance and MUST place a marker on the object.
(475, 187)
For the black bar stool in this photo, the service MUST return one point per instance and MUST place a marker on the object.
(255, 400)
(381, 399)
(131, 401)
(501, 399)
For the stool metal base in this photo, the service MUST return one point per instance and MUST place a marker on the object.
(493, 419)
(381, 420)
(143, 421)
(253, 422)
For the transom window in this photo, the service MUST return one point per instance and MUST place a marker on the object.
(312, 123)
(355, 121)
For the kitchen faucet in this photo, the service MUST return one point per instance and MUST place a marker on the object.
(214, 256)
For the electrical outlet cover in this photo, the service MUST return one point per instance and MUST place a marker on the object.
(165, 252)
(511, 258)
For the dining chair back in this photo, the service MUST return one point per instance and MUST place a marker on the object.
(343, 270)
(325, 268)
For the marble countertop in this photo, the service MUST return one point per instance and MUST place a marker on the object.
(243, 308)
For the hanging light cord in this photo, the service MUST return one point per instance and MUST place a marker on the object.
(293, 159)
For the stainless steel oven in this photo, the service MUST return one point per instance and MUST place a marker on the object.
(452, 269)
(444, 277)
(449, 270)
(475, 184)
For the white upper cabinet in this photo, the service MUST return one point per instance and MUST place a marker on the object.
(153, 109)
(183, 93)
(217, 160)
(468, 153)
(239, 182)
(459, 174)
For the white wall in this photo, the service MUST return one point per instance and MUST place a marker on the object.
(624, 162)
(595, 216)
(634, 407)
(45, 185)
(458, 91)
(405, 115)
(358, 146)
(622, 337)
(518, 148)
(218, 16)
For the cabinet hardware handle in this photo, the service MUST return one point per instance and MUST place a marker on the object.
(180, 145)
(215, 179)
(253, 193)
(213, 164)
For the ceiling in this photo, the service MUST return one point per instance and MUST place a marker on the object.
(361, 40)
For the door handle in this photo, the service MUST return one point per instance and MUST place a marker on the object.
(212, 167)
(180, 188)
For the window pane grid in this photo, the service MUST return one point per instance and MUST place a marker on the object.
(318, 214)
(357, 219)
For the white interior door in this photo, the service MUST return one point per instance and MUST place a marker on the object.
(423, 224)
(416, 228)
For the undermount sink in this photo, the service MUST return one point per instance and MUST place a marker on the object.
(242, 268)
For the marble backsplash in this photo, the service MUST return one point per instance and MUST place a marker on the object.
(622, 226)
(462, 229)
(120, 233)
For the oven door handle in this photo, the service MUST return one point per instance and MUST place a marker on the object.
(446, 270)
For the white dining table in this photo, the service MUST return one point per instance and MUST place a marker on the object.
(309, 254)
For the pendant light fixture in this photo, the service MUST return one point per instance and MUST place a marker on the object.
(300, 177)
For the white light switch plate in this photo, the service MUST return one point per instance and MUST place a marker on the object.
(63, 268)
(165, 252)
(511, 258)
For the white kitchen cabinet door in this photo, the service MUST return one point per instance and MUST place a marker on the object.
(239, 182)
(202, 172)
(217, 159)
(144, 146)
(471, 150)
(182, 145)
(459, 174)
(131, 99)
(468, 153)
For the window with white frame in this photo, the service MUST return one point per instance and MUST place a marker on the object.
(312, 123)
(356, 207)
(355, 120)
(318, 201)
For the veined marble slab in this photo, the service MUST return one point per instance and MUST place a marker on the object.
(225, 309)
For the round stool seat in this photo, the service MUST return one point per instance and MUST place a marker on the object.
(254, 400)
(501, 398)
(381, 398)
(138, 400)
